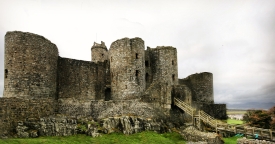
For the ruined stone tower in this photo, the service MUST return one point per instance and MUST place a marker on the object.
(164, 65)
(127, 68)
(201, 85)
(99, 52)
(30, 66)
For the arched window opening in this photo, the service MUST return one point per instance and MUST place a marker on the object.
(172, 62)
(136, 55)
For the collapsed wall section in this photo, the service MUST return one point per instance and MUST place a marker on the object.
(127, 68)
(81, 79)
(201, 85)
(13, 110)
(30, 65)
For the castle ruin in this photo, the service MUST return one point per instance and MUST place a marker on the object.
(126, 79)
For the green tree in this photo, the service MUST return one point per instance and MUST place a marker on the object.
(272, 113)
(258, 118)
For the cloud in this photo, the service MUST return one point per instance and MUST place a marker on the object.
(232, 39)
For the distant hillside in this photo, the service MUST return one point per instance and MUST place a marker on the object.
(252, 105)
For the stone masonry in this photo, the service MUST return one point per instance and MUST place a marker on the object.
(124, 80)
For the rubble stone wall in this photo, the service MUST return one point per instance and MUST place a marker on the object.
(192, 134)
(103, 109)
(127, 68)
(30, 65)
(13, 110)
(201, 85)
(81, 79)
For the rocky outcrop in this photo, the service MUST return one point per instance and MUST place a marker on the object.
(52, 126)
(252, 141)
(63, 126)
(192, 134)
(132, 124)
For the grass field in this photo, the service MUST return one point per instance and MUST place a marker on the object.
(233, 121)
(115, 138)
(230, 140)
(146, 137)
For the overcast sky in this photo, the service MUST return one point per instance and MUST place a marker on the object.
(235, 40)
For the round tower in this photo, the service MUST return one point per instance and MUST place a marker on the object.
(30, 65)
(165, 65)
(202, 87)
(99, 52)
(127, 67)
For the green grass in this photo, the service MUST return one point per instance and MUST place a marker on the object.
(230, 140)
(233, 121)
(114, 138)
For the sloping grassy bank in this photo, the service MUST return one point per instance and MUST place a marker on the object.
(114, 138)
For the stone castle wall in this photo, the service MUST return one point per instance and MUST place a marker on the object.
(126, 80)
(183, 93)
(127, 68)
(30, 66)
(13, 110)
(161, 74)
(148, 69)
(217, 111)
(201, 85)
(81, 79)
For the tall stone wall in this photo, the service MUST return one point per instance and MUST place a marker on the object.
(183, 93)
(161, 74)
(99, 52)
(201, 85)
(81, 79)
(30, 65)
(127, 68)
(13, 110)
(148, 69)
(217, 111)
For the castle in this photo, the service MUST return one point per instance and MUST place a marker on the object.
(38, 82)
